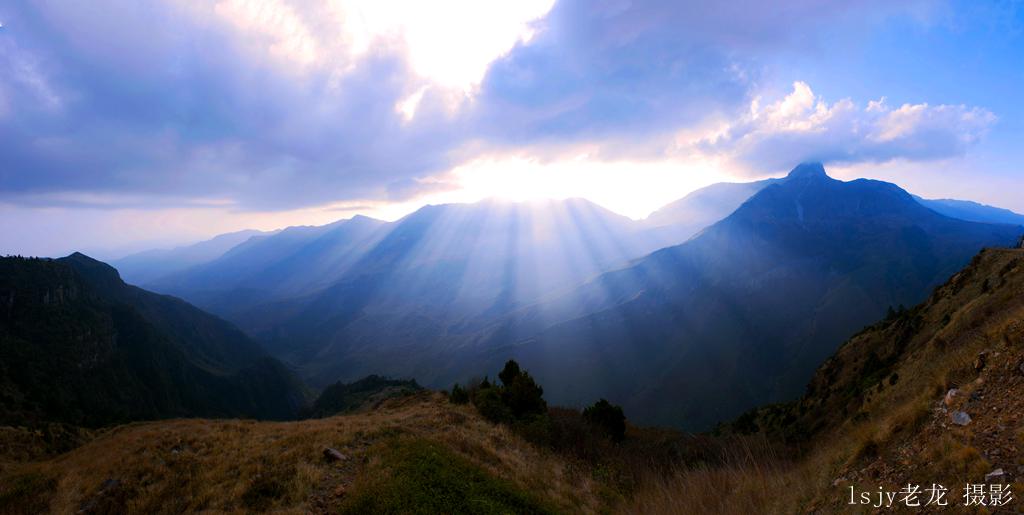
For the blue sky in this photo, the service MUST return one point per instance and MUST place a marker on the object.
(126, 125)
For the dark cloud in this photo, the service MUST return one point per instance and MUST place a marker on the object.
(164, 104)
(147, 98)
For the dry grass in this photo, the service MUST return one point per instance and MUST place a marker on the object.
(897, 432)
(237, 466)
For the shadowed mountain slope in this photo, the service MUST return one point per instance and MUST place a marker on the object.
(80, 346)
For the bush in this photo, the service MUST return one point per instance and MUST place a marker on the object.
(489, 403)
(536, 429)
(458, 395)
(510, 372)
(525, 398)
(518, 399)
(608, 417)
(572, 435)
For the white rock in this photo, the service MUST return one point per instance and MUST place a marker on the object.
(960, 418)
(995, 476)
(951, 396)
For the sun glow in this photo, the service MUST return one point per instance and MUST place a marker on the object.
(432, 35)
(633, 189)
(436, 33)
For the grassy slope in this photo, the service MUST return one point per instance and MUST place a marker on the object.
(241, 466)
(875, 415)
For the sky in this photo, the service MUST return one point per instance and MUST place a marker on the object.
(133, 124)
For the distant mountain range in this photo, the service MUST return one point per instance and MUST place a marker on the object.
(973, 211)
(483, 256)
(147, 266)
(78, 345)
(765, 280)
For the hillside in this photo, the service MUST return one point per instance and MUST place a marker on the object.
(412, 454)
(367, 392)
(930, 395)
(79, 346)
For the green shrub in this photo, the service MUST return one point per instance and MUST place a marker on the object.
(523, 396)
(536, 429)
(510, 372)
(489, 403)
(458, 395)
(608, 417)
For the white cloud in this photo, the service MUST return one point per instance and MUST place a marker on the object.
(803, 126)
(447, 42)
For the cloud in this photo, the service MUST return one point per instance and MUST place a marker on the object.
(627, 75)
(805, 127)
(280, 104)
(267, 108)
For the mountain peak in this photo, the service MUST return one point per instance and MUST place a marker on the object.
(808, 171)
(93, 270)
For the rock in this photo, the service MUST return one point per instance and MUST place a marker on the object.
(960, 418)
(980, 361)
(996, 476)
(334, 455)
(951, 397)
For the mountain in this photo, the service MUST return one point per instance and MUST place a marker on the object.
(437, 277)
(741, 314)
(973, 211)
(150, 265)
(687, 216)
(546, 245)
(80, 346)
(684, 218)
(294, 261)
